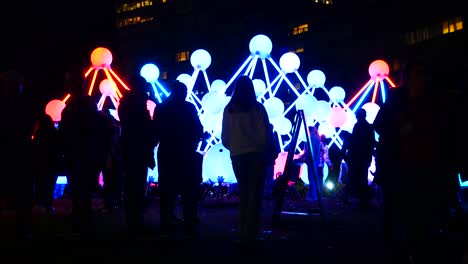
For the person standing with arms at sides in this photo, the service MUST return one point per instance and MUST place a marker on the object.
(245, 133)
(137, 141)
(178, 131)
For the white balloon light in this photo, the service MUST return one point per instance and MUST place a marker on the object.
(371, 109)
(218, 86)
(326, 129)
(316, 78)
(150, 72)
(259, 86)
(200, 59)
(274, 107)
(289, 62)
(213, 102)
(323, 110)
(308, 103)
(217, 162)
(337, 94)
(260, 45)
(185, 79)
(282, 125)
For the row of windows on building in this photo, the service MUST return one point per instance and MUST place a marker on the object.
(426, 33)
(127, 7)
(133, 21)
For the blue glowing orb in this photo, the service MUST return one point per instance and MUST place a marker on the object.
(150, 72)
(217, 162)
(200, 59)
(316, 78)
(260, 45)
(289, 62)
(337, 94)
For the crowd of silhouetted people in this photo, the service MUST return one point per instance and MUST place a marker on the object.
(417, 158)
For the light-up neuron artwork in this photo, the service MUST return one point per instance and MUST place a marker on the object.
(151, 74)
(55, 107)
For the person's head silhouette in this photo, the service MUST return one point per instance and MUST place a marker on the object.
(361, 114)
(179, 90)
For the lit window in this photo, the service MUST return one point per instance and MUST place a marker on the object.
(299, 50)
(164, 75)
(163, 1)
(459, 25)
(182, 56)
(300, 29)
(445, 27)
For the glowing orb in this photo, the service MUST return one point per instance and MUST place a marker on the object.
(101, 58)
(106, 88)
(371, 109)
(200, 59)
(337, 94)
(316, 78)
(326, 129)
(218, 86)
(150, 105)
(150, 72)
(274, 107)
(212, 122)
(282, 125)
(261, 45)
(378, 69)
(350, 122)
(322, 111)
(54, 109)
(153, 174)
(337, 116)
(259, 86)
(308, 103)
(185, 79)
(289, 62)
(217, 162)
(213, 102)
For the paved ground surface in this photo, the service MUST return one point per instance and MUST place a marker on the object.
(344, 236)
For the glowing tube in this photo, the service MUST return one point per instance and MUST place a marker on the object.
(284, 77)
(207, 81)
(114, 86)
(382, 88)
(66, 98)
(90, 91)
(267, 78)
(370, 82)
(252, 70)
(376, 88)
(100, 103)
(302, 81)
(156, 93)
(238, 71)
(114, 101)
(363, 97)
(194, 77)
(250, 65)
(390, 81)
(278, 85)
(89, 71)
(118, 79)
(162, 89)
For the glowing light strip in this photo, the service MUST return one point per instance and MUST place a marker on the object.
(194, 78)
(363, 97)
(118, 79)
(390, 81)
(114, 101)
(254, 64)
(238, 71)
(278, 85)
(90, 91)
(284, 77)
(113, 84)
(382, 88)
(293, 104)
(156, 93)
(66, 98)
(376, 88)
(250, 65)
(162, 89)
(100, 103)
(89, 71)
(267, 78)
(207, 81)
(301, 80)
(360, 92)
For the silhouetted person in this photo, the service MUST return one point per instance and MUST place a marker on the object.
(178, 130)
(83, 139)
(47, 156)
(361, 148)
(137, 150)
(245, 133)
(18, 117)
(274, 152)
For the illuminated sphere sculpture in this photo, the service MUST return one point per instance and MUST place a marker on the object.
(218, 86)
(150, 72)
(184, 78)
(316, 78)
(289, 62)
(337, 117)
(54, 109)
(200, 59)
(337, 94)
(105, 87)
(101, 58)
(378, 69)
(261, 45)
(259, 86)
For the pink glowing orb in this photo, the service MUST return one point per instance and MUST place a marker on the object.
(337, 116)
(54, 109)
(101, 58)
(105, 87)
(150, 105)
(280, 162)
(378, 68)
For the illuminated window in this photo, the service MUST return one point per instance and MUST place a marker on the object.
(182, 56)
(164, 75)
(299, 50)
(452, 25)
(300, 29)
(163, 1)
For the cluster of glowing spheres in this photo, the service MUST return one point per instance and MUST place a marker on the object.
(200, 59)
(289, 62)
(101, 58)
(260, 45)
(54, 109)
(150, 72)
(316, 78)
(378, 69)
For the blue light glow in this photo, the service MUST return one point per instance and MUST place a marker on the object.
(260, 45)
(200, 59)
(150, 72)
(289, 62)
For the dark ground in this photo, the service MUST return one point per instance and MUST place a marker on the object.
(344, 236)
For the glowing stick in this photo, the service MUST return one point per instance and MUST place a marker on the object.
(238, 71)
(113, 84)
(207, 82)
(267, 78)
(156, 93)
(89, 71)
(66, 98)
(162, 88)
(376, 88)
(90, 91)
(382, 88)
(360, 92)
(118, 79)
(252, 70)
(390, 81)
(363, 97)
(284, 77)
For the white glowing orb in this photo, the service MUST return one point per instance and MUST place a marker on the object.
(289, 62)
(217, 162)
(61, 180)
(200, 59)
(54, 109)
(304, 174)
(274, 107)
(153, 174)
(213, 102)
(106, 87)
(260, 45)
(150, 72)
(350, 122)
(218, 86)
(326, 129)
(337, 94)
(378, 69)
(101, 58)
(150, 105)
(308, 103)
(322, 111)
(337, 116)
(259, 86)
(282, 125)
(316, 78)
(185, 79)
(371, 109)
(212, 122)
